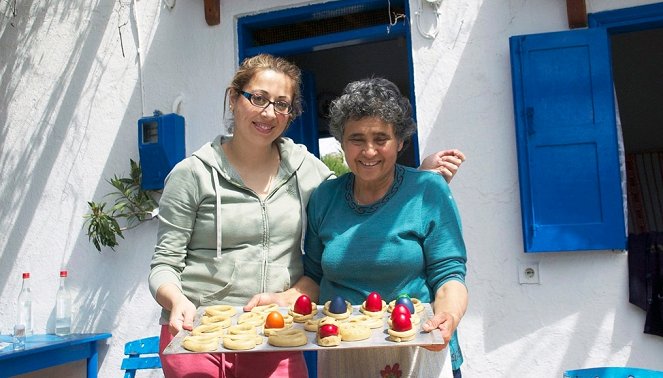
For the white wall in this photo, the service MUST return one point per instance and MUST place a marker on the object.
(69, 104)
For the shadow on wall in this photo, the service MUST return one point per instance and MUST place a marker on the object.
(25, 175)
(109, 280)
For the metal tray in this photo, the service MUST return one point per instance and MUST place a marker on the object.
(378, 337)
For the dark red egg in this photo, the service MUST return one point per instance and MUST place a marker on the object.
(327, 330)
(303, 305)
(400, 309)
(374, 302)
(401, 322)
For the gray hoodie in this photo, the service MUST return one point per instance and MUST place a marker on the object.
(218, 241)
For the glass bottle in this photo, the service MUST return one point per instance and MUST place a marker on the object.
(19, 337)
(24, 317)
(63, 307)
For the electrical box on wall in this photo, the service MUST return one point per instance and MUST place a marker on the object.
(161, 146)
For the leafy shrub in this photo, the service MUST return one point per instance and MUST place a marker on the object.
(335, 162)
(131, 203)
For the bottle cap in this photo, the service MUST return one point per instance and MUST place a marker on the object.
(26, 275)
(63, 273)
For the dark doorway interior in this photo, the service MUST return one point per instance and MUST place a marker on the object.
(334, 68)
(637, 63)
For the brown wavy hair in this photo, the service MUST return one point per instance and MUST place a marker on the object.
(263, 62)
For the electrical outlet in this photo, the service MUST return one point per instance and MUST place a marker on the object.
(528, 273)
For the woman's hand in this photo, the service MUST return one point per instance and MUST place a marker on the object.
(304, 285)
(281, 299)
(445, 163)
(182, 310)
(449, 307)
(443, 321)
(181, 316)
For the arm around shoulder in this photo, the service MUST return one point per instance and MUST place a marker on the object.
(445, 163)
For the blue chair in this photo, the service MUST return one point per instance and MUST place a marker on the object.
(613, 372)
(138, 349)
(142, 354)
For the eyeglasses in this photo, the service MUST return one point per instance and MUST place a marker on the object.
(260, 101)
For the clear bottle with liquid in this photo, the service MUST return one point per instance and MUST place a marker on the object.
(19, 337)
(63, 307)
(24, 318)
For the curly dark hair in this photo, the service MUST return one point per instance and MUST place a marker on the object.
(372, 97)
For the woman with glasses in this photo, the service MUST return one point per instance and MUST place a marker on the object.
(232, 219)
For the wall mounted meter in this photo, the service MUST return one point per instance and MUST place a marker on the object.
(161, 146)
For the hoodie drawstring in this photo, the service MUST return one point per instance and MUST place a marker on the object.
(217, 189)
(302, 206)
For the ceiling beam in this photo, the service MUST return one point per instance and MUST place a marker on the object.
(576, 11)
(213, 12)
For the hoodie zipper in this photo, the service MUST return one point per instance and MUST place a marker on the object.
(265, 233)
(265, 245)
(265, 225)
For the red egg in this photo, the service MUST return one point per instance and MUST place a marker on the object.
(374, 302)
(401, 322)
(303, 305)
(400, 309)
(328, 330)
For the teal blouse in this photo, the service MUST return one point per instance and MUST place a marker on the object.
(408, 242)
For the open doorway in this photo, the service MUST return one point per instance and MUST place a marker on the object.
(637, 65)
(335, 43)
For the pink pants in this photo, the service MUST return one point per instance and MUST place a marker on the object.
(230, 365)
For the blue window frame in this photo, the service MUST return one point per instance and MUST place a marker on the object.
(568, 162)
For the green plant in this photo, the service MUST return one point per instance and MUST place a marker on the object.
(334, 161)
(132, 204)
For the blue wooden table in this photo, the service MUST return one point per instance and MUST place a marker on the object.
(42, 351)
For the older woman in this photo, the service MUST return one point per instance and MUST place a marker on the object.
(385, 228)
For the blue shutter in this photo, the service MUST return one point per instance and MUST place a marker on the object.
(568, 163)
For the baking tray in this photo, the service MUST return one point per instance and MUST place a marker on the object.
(378, 337)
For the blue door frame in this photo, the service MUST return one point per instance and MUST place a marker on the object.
(304, 129)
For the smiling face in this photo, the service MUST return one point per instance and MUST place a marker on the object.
(371, 149)
(257, 124)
